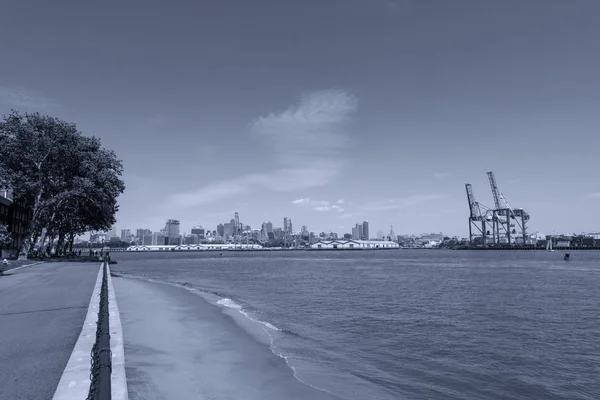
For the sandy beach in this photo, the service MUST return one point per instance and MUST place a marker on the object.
(179, 346)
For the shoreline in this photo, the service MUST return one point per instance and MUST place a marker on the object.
(186, 337)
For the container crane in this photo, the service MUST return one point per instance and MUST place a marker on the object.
(477, 220)
(504, 217)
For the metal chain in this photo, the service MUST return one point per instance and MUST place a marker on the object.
(101, 356)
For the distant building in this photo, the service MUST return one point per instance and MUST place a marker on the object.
(172, 231)
(236, 224)
(229, 229)
(125, 235)
(112, 233)
(191, 239)
(140, 233)
(269, 226)
(353, 245)
(287, 225)
(159, 239)
(221, 230)
(365, 230)
(199, 231)
(278, 233)
(16, 217)
(148, 240)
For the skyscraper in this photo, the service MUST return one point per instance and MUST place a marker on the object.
(355, 232)
(287, 225)
(125, 235)
(172, 231)
(365, 235)
(392, 233)
(237, 228)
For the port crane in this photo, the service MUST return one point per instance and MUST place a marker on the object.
(507, 223)
(478, 222)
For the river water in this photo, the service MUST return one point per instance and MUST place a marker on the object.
(409, 324)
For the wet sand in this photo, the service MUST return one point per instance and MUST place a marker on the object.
(179, 346)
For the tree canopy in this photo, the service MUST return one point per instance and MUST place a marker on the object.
(68, 181)
(5, 237)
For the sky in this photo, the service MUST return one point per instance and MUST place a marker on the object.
(329, 112)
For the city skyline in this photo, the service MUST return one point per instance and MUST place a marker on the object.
(363, 110)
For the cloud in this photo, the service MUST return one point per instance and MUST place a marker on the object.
(595, 195)
(309, 132)
(402, 202)
(341, 201)
(23, 98)
(307, 140)
(440, 175)
(319, 205)
(301, 201)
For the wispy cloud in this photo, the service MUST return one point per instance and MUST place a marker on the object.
(308, 142)
(23, 98)
(341, 201)
(301, 201)
(318, 205)
(440, 175)
(595, 195)
(402, 202)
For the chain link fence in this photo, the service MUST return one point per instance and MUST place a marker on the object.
(101, 362)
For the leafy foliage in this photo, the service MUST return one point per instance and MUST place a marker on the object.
(68, 181)
(5, 237)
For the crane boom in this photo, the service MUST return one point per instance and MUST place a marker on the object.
(473, 204)
(495, 192)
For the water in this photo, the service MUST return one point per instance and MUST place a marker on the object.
(410, 324)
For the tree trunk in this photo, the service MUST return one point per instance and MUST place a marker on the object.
(31, 229)
(61, 243)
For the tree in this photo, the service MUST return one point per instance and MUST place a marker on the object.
(5, 237)
(69, 181)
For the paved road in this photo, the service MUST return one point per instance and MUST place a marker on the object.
(42, 310)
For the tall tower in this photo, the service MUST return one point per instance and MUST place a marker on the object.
(365, 230)
(172, 231)
(236, 228)
(392, 233)
(287, 225)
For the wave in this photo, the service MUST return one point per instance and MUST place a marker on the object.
(227, 302)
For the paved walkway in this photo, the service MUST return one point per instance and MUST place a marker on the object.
(42, 310)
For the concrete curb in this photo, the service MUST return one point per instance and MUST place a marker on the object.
(118, 377)
(74, 383)
(23, 266)
(75, 380)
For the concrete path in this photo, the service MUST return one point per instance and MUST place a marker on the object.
(42, 310)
